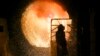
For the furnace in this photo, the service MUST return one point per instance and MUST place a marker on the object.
(38, 21)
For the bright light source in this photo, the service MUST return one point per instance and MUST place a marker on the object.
(36, 21)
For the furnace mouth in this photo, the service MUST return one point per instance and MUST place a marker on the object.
(36, 21)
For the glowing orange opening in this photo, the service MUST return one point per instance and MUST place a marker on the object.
(36, 21)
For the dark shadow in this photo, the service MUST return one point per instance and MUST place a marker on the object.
(61, 41)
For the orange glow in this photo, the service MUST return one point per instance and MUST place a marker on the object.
(44, 0)
(36, 21)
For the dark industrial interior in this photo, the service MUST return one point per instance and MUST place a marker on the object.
(82, 13)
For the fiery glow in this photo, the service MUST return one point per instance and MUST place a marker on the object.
(36, 21)
(44, 0)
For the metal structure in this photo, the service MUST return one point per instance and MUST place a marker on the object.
(54, 24)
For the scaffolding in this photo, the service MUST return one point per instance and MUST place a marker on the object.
(54, 24)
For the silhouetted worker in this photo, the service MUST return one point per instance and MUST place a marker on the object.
(61, 41)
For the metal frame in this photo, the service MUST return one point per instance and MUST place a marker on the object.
(55, 28)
